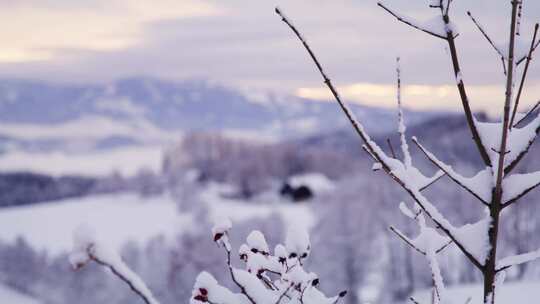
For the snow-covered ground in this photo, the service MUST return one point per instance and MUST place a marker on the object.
(508, 293)
(117, 218)
(10, 296)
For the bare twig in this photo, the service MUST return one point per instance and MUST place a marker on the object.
(481, 29)
(406, 240)
(523, 76)
(391, 148)
(434, 180)
(518, 22)
(443, 247)
(527, 114)
(471, 121)
(401, 19)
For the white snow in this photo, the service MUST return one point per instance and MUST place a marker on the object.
(376, 166)
(205, 282)
(221, 225)
(519, 139)
(474, 237)
(83, 237)
(518, 259)
(479, 185)
(280, 251)
(112, 258)
(256, 240)
(297, 241)
(517, 184)
(406, 211)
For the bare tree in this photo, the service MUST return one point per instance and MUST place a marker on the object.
(501, 145)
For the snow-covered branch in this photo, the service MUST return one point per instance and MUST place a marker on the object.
(407, 160)
(267, 279)
(517, 259)
(86, 248)
(517, 185)
(479, 185)
(519, 140)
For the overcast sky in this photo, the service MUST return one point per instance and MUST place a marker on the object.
(244, 44)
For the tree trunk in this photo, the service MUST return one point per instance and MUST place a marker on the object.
(489, 272)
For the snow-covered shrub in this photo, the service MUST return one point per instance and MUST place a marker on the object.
(271, 277)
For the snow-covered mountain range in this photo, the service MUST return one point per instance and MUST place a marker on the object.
(38, 116)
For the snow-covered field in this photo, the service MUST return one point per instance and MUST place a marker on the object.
(117, 218)
(508, 293)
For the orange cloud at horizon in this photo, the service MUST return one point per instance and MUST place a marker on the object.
(488, 98)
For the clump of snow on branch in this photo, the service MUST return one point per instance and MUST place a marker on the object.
(86, 248)
(474, 237)
(516, 185)
(480, 185)
(519, 139)
(267, 278)
(220, 231)
(297, 242)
